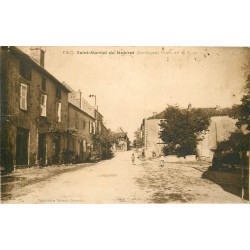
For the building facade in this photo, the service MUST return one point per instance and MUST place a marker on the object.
(34, 110)
(80, 136)
(152, 142)
(98, 140)
(121, 140)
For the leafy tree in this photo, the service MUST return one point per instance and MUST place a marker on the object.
(182, 129)
(242, 111)
(138, 139)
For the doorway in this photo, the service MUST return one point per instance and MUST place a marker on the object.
(22, 145)
(57, 147)
(42, 152)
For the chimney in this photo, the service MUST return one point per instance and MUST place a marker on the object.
(37, 54)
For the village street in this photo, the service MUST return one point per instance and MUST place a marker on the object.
(118, 181)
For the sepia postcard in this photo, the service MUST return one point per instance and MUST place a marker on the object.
(125, 125)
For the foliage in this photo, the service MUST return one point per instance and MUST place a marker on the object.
(181, 130)
(137, 142)
(68, 155)
(242, 111)
(235, 148)
(236, 142)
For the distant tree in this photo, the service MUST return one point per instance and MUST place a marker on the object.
(181, 130)
(137, 142)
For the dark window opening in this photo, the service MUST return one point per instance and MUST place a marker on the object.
(25, 70)
(43, 83)
(58, 92)
(76, 120)
(83, 124)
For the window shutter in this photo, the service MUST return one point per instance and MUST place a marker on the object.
(94, 127)
(43, 105)
(23, 96)
(58, 111)
(90, 127)
(100, 128)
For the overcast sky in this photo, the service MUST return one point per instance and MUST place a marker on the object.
(130, 87)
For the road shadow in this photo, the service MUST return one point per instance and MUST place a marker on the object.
(232, 181)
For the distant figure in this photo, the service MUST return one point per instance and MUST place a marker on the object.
(162, 161)
(133, 159)
(143, 153)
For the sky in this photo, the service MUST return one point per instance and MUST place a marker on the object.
(130, 83)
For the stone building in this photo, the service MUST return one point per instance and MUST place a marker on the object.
(121, 140)
(81, 131)
(152, 144)
(220, 128)
(97, 138)
(34, 110)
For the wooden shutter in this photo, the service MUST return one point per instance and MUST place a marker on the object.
(58, 111)
(43, 105)
(94, 127)
(90, 127)
(23, 96)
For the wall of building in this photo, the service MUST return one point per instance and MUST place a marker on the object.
(152, 142)
(82, 142)
(29, 119)
(219, 130)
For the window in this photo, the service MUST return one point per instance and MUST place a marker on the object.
(58, 111)
(94, 127)
(83, 124)
(99, 127)
(76, 120)
(25, 70)
(90, 127)
(58, 93)
(43, 83)
(43, 105)
(23, 96)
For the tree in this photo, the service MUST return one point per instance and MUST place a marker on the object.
(137, 143)
(182, 129)
(242, 111)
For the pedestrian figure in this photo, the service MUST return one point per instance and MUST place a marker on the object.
(133, 159)
(162, 161)
(143, 154)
